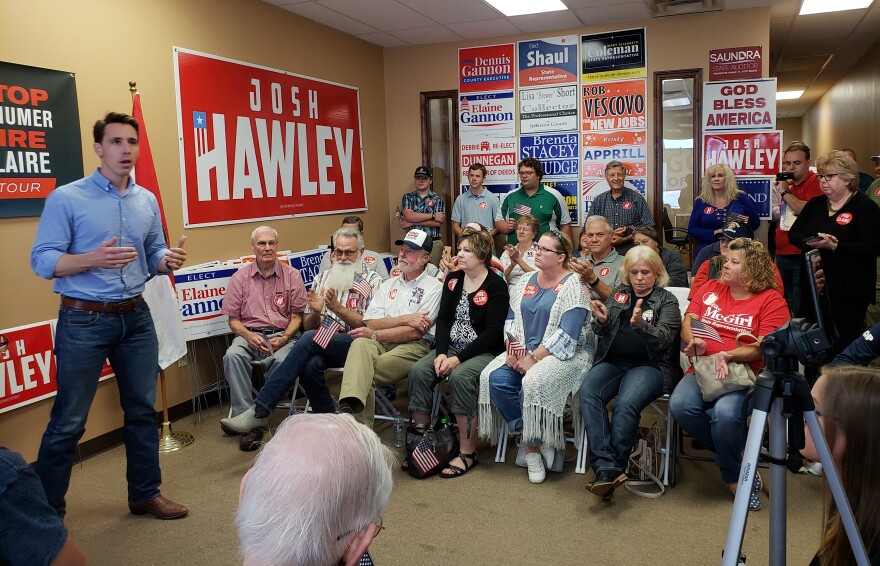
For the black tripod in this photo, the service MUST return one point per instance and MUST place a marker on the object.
(783, 393)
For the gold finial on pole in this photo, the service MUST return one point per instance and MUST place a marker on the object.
(132, 86)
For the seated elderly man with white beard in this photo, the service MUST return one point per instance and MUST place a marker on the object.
(336, 305)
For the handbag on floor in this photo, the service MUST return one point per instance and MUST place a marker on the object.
(739, 374)
(429, 450)
(646, 462)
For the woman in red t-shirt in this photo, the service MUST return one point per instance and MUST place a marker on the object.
(744, 299)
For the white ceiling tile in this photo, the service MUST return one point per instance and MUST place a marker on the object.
(384, 15)
(546, 21)
(810, 46)
(832, 23)
(285, 2)
(622, 12)
(330, 18)
(573, 4)
(485, 28)
(383, 39)
(453, 11)
(433, 34)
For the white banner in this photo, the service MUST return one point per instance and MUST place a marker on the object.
(551, 109)
(739, 105)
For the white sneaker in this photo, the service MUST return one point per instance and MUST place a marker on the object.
(245, 422)
(814, 468)
(549, 455)
(535, 463)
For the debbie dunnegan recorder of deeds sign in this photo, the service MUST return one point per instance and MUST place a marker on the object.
(258, 143)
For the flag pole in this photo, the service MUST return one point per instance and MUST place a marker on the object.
(168, 441)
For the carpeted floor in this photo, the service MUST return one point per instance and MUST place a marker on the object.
(492, 515)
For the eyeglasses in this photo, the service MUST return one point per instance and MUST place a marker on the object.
(526, 173)
(544, 250)
(345, 253)
(827, 176)
(269, 244)
(377, 523)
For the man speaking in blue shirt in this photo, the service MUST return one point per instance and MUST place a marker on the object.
(100, 239)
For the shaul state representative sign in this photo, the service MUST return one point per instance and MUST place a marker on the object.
(548, 61)
(40, 145)
(259, 143)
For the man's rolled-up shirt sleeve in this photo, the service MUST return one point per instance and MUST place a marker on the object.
(53, 238)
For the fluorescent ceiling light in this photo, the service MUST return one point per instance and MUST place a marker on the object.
(823, 6)
(673, 102)
(524, 7)
(789, 94)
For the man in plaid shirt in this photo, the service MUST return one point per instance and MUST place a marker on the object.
(622, 206)
(343, 292)
(424, 210)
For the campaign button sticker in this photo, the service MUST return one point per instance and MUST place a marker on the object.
(708, 210)
(844, 219)
(354, 302)
(483, 205)
(279, 300)
(627, 205)
(710, 298)
(481, 298)
(396, 272)
(530, 290)
(451, 284)
(557, 287)
(621, 297)
(603, 271)
(369, 260)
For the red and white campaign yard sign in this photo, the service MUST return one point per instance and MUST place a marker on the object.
(746, 153)
(259, 143)
(27, 367)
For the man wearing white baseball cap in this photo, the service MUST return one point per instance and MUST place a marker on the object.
(398, 331)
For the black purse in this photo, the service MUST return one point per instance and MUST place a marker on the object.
(430, 449)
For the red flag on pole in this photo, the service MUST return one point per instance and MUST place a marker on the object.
(144, 168)
(159, 291)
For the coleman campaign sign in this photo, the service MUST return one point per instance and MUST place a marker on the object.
(613, 55)
(40, 145)
(259, 143)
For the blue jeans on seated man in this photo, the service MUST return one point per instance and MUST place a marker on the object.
(307, 360)
(83, 340)
(505, 391)
(718, 425)
(635, 386)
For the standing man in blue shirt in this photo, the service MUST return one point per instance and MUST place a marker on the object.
(100, 239)
(478, 205)
(424, 210)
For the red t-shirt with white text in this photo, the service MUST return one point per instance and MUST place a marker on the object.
(759, 315)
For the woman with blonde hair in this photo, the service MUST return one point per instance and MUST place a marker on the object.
(529, 385)
(720, 201)
(636, 359)
(743, 300)
(848, 402)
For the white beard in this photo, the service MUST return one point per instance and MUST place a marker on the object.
(340, 276)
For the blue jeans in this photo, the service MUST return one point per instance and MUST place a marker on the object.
(505, 391)
(635, 386)
(790, 268)
(307, 360)
(83, 340)
(718, 425)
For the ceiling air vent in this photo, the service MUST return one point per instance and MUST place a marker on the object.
(662, 8)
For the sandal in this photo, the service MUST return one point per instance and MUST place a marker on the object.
(456, 471)
(404, 465)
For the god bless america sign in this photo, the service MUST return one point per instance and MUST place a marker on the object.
(259, 143)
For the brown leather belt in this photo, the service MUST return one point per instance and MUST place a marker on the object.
(127, 305)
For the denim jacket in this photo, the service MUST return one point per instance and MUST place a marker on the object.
(661, 336)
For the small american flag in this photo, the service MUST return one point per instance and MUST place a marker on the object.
(701, 330)
(362, 288)
(521, 209)
(329, 327)
(423, 457)
(515, 348)
(200, 131)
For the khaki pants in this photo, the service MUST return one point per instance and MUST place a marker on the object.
(370, 363)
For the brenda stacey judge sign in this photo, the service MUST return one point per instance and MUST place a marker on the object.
(548, 61)
(40, 146)
(259, 143)
(558, 154)
(548, 109)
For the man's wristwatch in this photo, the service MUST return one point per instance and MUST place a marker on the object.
(433, 216)
(783, 193)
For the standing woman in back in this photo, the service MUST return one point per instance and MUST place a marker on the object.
(720, 201)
